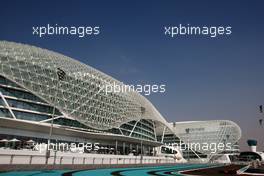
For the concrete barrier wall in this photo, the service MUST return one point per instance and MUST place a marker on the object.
(16, 157)
(35, 159)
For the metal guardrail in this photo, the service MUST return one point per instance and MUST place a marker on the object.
(59, 160)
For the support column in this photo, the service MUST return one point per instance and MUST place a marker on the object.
(149, 151)
(124, 148)
(130, 148)
(141, 152)
(163, 133)
(116, 143)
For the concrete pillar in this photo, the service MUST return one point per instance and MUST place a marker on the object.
(116, 143)
(149, 150)
(124, 148)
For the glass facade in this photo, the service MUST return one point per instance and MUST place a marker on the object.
(5, 113)
(26, 106)
(142, 129)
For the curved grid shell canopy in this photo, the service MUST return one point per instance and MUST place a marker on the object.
(208, 132)
(77, 95)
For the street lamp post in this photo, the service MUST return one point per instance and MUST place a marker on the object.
(225, 142)
(187, 130)
(141, 145)
(60, 76)
(227, 139)
(261, 112)
(141, 152)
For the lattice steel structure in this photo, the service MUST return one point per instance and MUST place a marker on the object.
(208, 132)
(78, 96)
(30, 91)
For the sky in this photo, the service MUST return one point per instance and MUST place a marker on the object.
(206, 78)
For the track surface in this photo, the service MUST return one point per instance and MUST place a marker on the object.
(139, 171)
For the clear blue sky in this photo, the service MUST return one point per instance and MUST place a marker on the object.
(220, 78)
